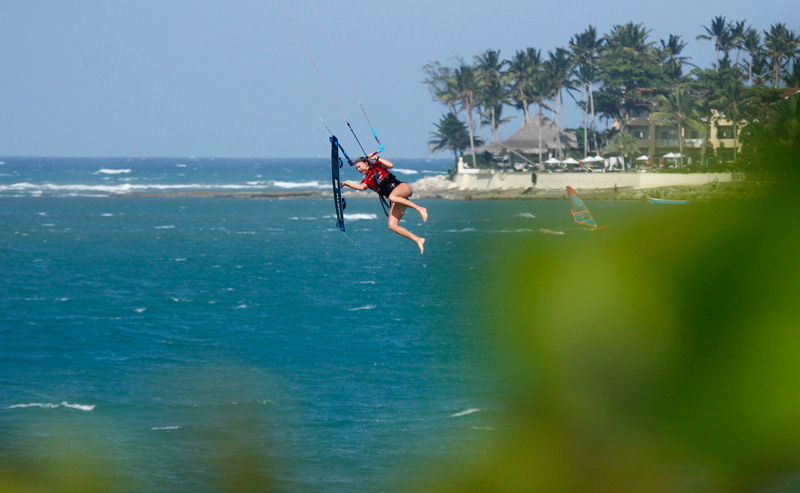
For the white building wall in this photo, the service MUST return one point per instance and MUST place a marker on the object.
(486, 180)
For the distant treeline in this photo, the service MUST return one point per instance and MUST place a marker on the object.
(608, 76)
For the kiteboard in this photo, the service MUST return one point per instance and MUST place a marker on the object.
(339, 202)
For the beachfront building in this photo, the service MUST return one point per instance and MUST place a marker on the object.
(538, 137)
(660, 137)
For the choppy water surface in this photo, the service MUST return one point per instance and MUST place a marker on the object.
(174, 342)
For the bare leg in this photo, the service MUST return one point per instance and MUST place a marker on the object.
(395, 214)
(401, 194)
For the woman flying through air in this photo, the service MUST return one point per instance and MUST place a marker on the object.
(387, 185)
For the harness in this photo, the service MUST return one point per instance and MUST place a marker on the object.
(375, 183)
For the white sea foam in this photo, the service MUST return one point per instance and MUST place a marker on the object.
(526, 214)
(140, 310)
(107, 215)
(464, 230)
(80, 407)
(303, 184)
(405, 171)
(357, 217)
(464, 413)
(112, 171)
(123, 188)
(166, 428)
(366, 307)
(171, 226)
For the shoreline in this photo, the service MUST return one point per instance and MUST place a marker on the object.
(700, 193)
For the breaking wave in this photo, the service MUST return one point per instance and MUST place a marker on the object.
(80, 407)
(464, 413)
(357, 217)
(112, 171)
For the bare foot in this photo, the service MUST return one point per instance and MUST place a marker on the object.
(421, 244)
(424, 213)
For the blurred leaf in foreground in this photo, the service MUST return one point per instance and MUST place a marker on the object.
(664, 355)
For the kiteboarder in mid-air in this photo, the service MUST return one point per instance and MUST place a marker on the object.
(380, 180)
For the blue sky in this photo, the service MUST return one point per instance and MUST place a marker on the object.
(229, 78)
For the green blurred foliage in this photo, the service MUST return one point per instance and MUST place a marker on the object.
(659, 354)
(82, 457)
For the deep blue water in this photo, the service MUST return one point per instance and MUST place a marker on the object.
(162, 340)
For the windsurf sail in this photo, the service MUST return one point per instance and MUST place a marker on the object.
(336, 163)
(579, 210)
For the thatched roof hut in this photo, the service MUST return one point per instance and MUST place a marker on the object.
(526, 140)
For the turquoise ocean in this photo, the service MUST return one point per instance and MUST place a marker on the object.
(166, 342)
(156, 340)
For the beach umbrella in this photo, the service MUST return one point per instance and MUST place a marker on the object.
(569, 160)
(672, 155)
(552, 160)
(642, 158)
(593, 159)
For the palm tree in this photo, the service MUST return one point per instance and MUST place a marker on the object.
(720, 33)
(761, 68)
(491, 97)
(728, 100)
(780, 43)
(679, 107)
(491, 80)
(792, 79)
(630, 70)
(738, 31)
(671, 53)
(521, 71)
(451, 133)
(629, 39)
(463, 86)
(540, 90)
(752, 44)
(557, 68)
(498, 115)
(584, 47)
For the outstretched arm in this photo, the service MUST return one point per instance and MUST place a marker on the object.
(382, 162)
(355, 186)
